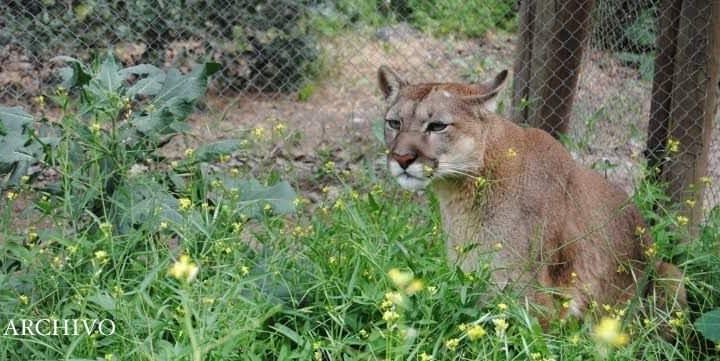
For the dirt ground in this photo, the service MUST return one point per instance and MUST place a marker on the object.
(610, 113)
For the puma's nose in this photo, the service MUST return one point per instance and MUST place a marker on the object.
(404, 160)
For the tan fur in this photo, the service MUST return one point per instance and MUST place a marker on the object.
(549, 228)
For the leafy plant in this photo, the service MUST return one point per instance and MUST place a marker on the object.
(709, 325)
(114, 122)
(18, 149)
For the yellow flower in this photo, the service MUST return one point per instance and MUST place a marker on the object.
(279, 127)
(682, 220)
(224, 158)
(480, 182)
(184, 269)
(574, 339)
(24, 299)
(339, 204)
(163, 225)
(690, 203)
(32, 235)
(390, 316)
(185, 204)
(511, 153)
(244, 270)
(425, 357)
(117, 291)
(40, 100)
(498, 246)
(24, 179)
(105, 228)
(501, 325)
(377, 190)
(475, 332)
(189, 152)
(10, 195)
(394, 298)
(428, 170)
(329, 166)
(608, 332)
(462, 327)
(673, 145)
(95, 127)
(678, 320)
(258, 132)
(415, 286)
(400, 278)
(502, 306)
(101, 256)
(639, 231)
(566, 304)
(452, 344)
(651, 251)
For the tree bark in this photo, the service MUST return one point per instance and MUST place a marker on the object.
(668, 24)
(693, 102)
(549, 54)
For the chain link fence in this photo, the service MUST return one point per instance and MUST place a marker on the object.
(592, 63)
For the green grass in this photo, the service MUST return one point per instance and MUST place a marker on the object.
(301, 287)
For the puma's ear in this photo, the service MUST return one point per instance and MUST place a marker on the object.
(390, 83)
(488, 91)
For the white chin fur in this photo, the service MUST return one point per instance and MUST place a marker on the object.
(411, 178)
(412, 183)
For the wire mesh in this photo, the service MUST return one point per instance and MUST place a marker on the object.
(281, 51)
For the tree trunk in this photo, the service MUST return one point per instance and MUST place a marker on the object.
(668, 23)
(686, 118)
(553, 35)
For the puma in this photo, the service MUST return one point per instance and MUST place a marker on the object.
(513, 199)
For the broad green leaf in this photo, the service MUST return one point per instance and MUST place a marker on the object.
(142, 200)
(147, 86)
(175, 100)
(14, 119)
(180, 91)
(74, 75)
(254, 197)
(709, 325)
(142, 69)
(210, 151)
(107, 80)
(17, 149)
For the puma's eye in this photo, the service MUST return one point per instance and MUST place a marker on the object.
(393, 123)
(436, 127)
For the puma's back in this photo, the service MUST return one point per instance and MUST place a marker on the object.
(513, 198)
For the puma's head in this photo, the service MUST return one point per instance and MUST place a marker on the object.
(435, 130)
